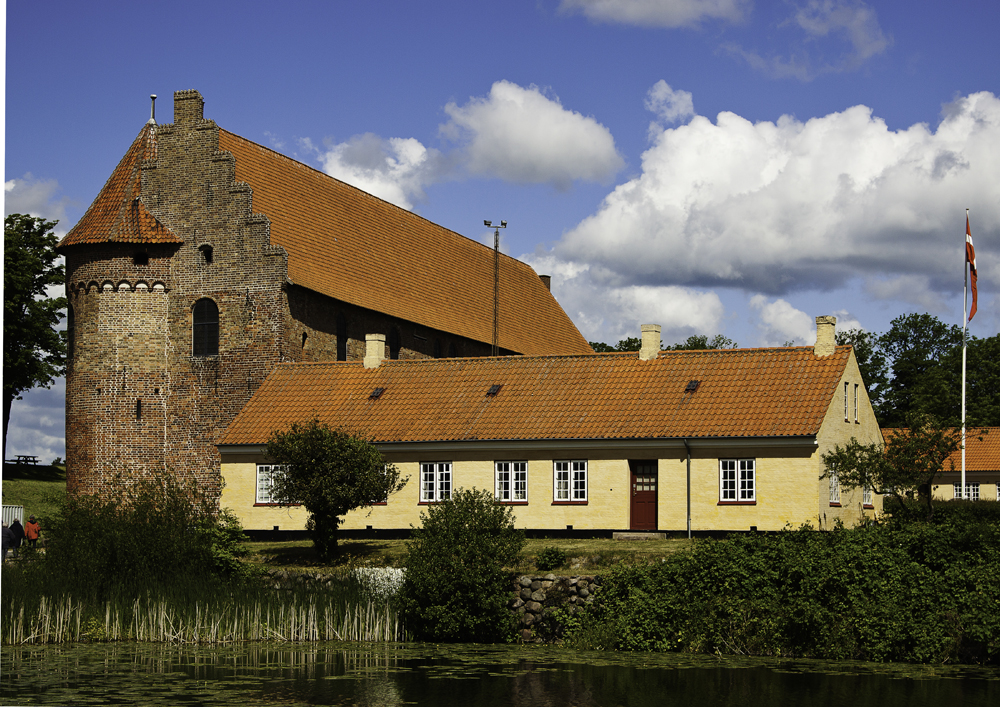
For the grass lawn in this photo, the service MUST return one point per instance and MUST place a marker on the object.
(585, 556)
(40, 489)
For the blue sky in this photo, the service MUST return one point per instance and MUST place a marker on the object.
(715, 166)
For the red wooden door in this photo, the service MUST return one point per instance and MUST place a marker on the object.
(643, 495)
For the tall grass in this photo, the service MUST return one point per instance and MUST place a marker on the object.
(252, 613)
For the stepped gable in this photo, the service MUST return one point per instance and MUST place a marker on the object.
(352, 246)
(777, 392)
(118, 214)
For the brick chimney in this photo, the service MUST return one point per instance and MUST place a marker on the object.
(650, 342)
(546, 280)
(189, 107)
(374, 350)
(826, 342)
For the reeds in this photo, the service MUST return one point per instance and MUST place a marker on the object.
(153, 619)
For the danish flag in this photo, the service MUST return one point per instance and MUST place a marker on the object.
(970, 258)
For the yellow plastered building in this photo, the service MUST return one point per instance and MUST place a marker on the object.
(714, 440)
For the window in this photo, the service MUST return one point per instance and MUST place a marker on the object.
(512, 482)
(971, 491)
(395, 343)
(265, 478)
(435, 482)
(206, 328)
(569, 482)
(866, 497)
(140, 258)
(736, 481)
(855, 402)
(846, 418)
(341, 337)
(207, 254)
(834, 488)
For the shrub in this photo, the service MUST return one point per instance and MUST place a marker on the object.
(456, 586)
(550, 558)
(148, 534)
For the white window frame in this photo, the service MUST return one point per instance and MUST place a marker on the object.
(866, 496)
(972, 491)
(855, 402)
(265, 480)
(834, 488)
(737, 480)
(510, 482)
(569, 481)
(846, 387)
(435, 482)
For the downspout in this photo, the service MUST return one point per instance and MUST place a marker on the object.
(688, 448)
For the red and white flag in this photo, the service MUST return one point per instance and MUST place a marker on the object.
(970, 258)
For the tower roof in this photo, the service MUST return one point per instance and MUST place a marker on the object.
(118, 214)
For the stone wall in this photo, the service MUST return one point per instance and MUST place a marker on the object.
(537, 596)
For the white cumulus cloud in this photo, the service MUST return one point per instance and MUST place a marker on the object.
(523, 136)
(779, 322)
(37, 197)
(777, 207)
(658, 13)
(394, 169)
(669, 105)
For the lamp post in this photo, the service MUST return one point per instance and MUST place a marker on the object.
(496, 283)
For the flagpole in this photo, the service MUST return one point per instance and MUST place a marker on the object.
(965, 324)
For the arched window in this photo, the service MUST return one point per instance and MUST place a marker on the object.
(206, 328)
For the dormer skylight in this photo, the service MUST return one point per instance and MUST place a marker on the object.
(376, 394)
(494, 389)
(692, 386)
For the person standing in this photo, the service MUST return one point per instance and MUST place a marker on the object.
(31, 531)
(17, 530)
(8, 540)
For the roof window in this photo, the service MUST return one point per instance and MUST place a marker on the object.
(376, 394)
(494, 389)
(692, 386)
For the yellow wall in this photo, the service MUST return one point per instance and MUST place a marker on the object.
(835, 430)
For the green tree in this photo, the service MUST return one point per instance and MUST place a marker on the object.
(330, 472)
(909, 462)
(457, 583)
(871, 361)
(914, 348)
(701, 342)
(34, 353)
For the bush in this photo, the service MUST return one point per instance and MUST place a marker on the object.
(456, 586)
(149, 534)
(550, 558)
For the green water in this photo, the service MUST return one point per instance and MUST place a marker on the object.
(453, 675)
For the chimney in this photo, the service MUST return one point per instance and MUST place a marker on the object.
(650, 342)
(826, 342)
(374, 350)
(189, 107)
(547, 281)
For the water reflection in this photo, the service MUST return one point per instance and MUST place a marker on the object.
(446, 676)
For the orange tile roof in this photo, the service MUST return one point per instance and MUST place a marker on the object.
(118, 214)
(980, 454)
(357, 248)
(742, 393)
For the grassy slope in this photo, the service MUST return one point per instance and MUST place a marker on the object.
(584, 555)
(40, 489)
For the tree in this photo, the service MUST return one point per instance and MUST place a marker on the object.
(701, 342)
(871, 361)
(330, 472)
(912, 458)
(457, 584)
(34, 353)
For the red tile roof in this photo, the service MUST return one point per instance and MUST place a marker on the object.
(741, 393)
(982, 449)
(357, 248)
(118, 214)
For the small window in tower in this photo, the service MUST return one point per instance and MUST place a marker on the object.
(206, 254)
(140, 258)
(305, 337)
(341, 337)
(138, 409)
(206, 328)
(395, 343)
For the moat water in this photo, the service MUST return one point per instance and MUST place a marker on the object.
(463, 675)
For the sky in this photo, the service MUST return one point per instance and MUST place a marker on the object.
(713, 166)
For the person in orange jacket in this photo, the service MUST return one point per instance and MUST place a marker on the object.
(31, 531)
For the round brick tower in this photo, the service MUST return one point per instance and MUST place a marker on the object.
(175, 309)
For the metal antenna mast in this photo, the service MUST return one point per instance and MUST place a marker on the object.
(496, 283)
